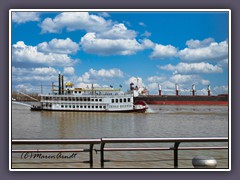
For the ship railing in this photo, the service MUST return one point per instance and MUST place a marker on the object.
(176, 142)
(90, 142)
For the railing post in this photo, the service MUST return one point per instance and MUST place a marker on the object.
(102, 154)
(91, 155)
(176, 144)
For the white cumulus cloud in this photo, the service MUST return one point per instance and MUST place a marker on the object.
(68, 70)
(23, 17)
(30, 54)
(193, 44)
(160, 51)
(146, 34)
(100, 75)
(147, 43)
(75, 21)
(91, 44)
(60, 46)
(214, 51)
(205, 50)
(34, 75)
(155, 79)
(118, 31)
(181, 79)
(186, 68)
(205, 82)
(221, 89)
(34, 71)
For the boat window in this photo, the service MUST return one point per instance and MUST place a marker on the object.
(70, 106)
(100, 107)
(88, 99)
(96, 106)
(100, 100)
(124, 100)
(104, 107)
(81, 106)
(116, 100)
(79, 92)
(65, 106)
(92, 99)
(75, 92)
(62, 106)
(120, 100)
(112, 100)
(77, 106)
(89, 107)
(96, 99)
(128, 99)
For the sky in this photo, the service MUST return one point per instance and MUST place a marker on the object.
(113, 48)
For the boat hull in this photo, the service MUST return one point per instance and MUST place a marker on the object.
(114, 111)
(183, 100)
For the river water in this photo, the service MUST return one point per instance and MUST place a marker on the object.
(160, 121)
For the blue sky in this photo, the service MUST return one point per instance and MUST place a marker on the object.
(117, 48)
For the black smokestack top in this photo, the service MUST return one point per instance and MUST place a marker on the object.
(62, 88)
(59, 84)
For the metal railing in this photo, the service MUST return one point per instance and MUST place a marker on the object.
(175, 147)
(103, 141)
(91, 143)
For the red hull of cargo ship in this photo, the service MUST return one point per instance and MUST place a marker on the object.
(220, 103)
(184, 100)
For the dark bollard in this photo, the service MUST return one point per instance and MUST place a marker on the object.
(204, 162)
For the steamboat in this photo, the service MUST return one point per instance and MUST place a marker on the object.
(93, 99)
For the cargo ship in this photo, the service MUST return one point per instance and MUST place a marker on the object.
(177, 99)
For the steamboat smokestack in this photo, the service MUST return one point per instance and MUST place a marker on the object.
(62, 87)
(59, 84)
(209, 91)
(193, 89)
(159, 90)
(177, 91)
